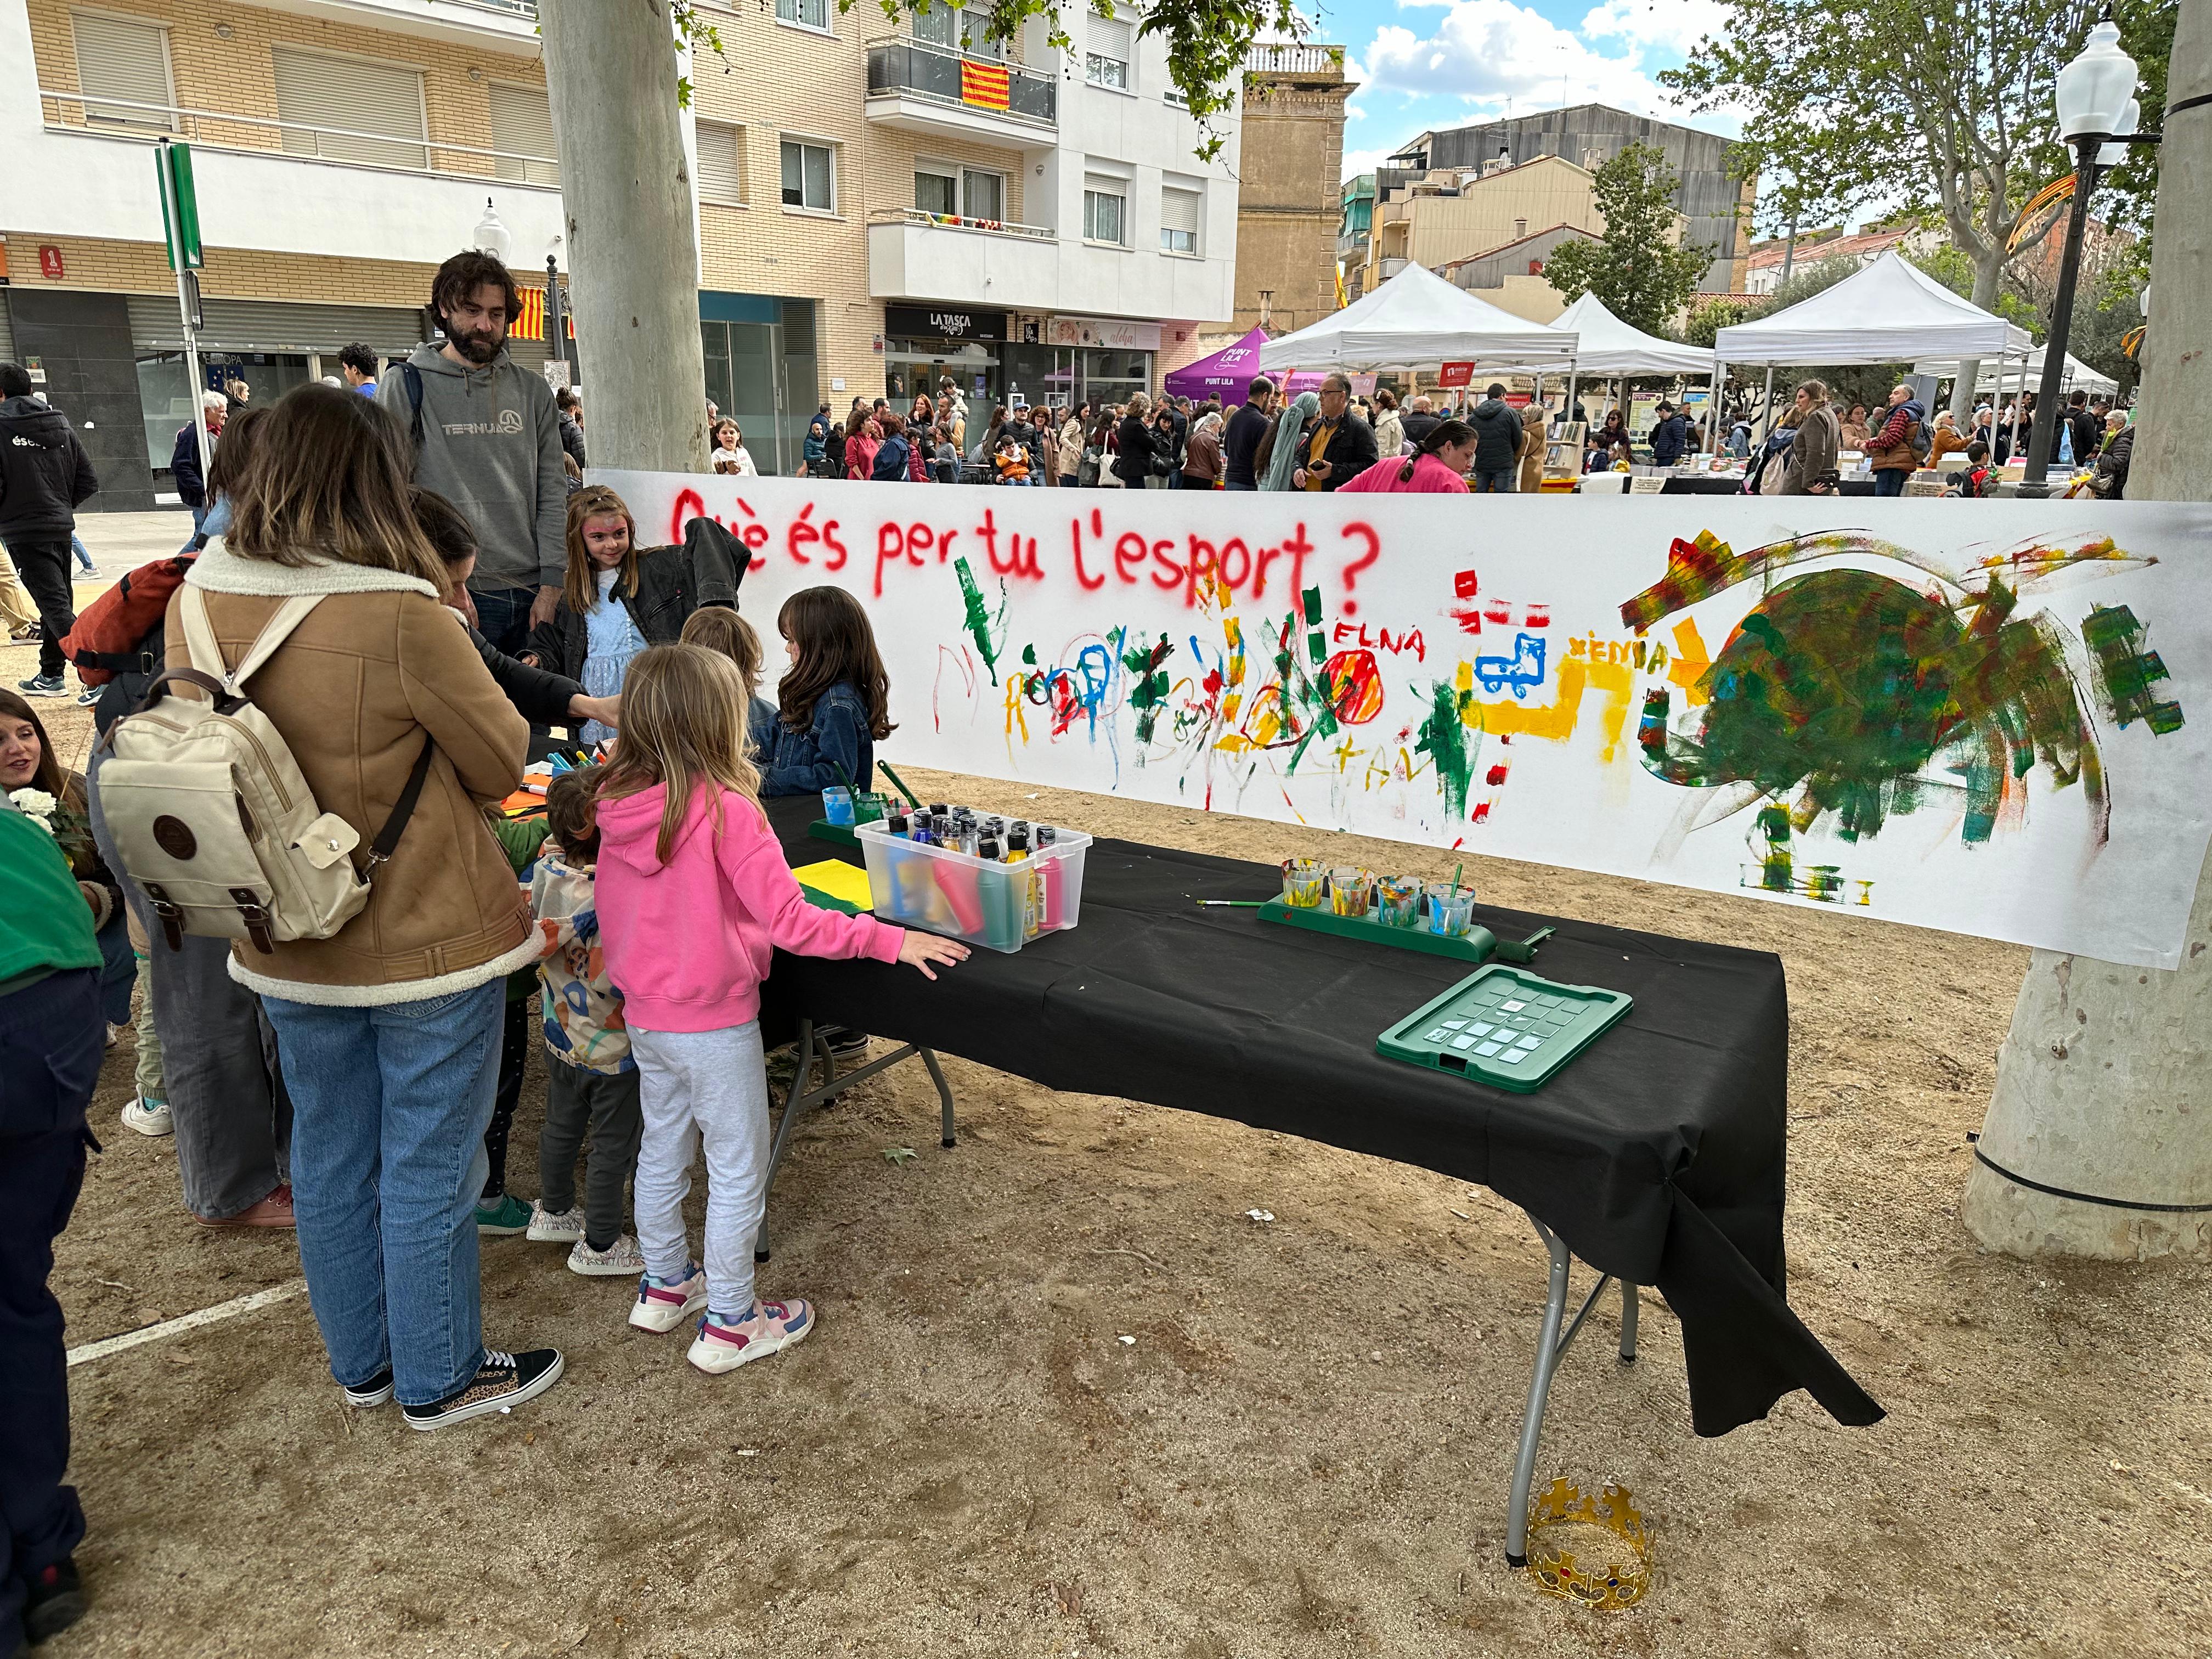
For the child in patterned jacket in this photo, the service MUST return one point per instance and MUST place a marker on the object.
(593, 1081)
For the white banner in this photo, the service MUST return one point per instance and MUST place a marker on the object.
(1991, 717)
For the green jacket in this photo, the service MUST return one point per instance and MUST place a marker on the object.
(45, 923)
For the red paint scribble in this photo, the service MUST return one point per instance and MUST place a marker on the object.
(1351, 571)
(1495, 776)
(1354, 683)
(1537, 615)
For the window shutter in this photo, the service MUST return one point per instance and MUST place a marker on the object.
(1111, 37)
(721, 164)
(522, 124)
(1179, 209)
(317, 90)
(125, 60)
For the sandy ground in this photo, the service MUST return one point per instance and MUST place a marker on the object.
(1306, 1449)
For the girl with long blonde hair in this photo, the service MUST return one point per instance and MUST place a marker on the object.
(694, 896)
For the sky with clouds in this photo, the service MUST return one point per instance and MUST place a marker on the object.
(1438, 63)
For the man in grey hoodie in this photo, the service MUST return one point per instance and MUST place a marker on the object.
(486, 439)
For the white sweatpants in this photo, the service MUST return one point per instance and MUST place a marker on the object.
(710, 1088)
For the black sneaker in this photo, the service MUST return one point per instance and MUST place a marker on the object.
(54, 1600)
(377, 1391)
(848, 1047)
(43, 685)
(503, 1379)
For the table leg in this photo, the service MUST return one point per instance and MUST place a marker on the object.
(1540, 1384)
(1629, 1307)
(947, 1137)
(796, 1099)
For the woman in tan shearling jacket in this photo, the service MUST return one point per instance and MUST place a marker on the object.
(388, 1031)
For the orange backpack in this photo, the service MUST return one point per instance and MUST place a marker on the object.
(109, 631)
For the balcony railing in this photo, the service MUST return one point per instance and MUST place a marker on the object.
(1291, 60)
(909, 68)
(258, 135)
(959, 222)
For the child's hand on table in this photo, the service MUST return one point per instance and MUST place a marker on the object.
(921, 948)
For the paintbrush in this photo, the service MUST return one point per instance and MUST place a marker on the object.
(1456, 868)
(912, 800)
(1232, 904)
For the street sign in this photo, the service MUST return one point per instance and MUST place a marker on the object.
(180, 204)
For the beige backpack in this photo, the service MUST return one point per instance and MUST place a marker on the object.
(211, 815)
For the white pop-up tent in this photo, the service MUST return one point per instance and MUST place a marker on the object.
(2078, 376)
(1418, 319)
(1609, 346)
(1890, 311)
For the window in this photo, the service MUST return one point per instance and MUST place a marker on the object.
(721, 163)
(809, 177)
(317, 90)
(1105, 210)
(1179, 213)
(1111, 49)
(958, 28)
(522, 124)
(126, 60)
(806, 14)
(936, 193)
(983, 195)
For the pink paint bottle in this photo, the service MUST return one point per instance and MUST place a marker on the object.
(1050, 881)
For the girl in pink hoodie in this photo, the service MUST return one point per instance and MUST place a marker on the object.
(693, 898)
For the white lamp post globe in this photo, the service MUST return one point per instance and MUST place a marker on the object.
(491, 236)
(2093, 90)
(2111, 156)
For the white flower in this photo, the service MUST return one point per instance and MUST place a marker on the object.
(37, 805)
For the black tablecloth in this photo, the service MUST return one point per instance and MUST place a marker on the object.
(1658, 1155)
(1689, 484)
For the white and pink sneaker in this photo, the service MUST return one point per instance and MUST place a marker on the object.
(723, 1346)
(662, 1304)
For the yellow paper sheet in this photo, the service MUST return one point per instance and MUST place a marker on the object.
(840, 880)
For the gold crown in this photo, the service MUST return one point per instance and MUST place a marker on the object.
(1616, 1585)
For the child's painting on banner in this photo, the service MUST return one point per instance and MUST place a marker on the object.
(1991, 717)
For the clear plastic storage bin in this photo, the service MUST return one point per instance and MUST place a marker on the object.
(997, 905)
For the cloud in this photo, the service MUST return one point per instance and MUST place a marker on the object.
(1357, 161)
(1673, 29)
(1485, 52)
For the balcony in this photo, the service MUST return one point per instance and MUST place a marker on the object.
(943, 94)
(83, 171)
(501, 25)
(978, 261)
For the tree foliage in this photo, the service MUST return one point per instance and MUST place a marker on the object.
(1635, 269)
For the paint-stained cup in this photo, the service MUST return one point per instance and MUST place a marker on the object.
(871, 808)
(1451, 910)
(1302, 883)
(1398, 900)
(1350, 889)
(837, 804)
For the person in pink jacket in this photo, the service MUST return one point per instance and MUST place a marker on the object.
(694, 899)
(1438, 467)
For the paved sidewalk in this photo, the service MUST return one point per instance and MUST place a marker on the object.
(123, 541)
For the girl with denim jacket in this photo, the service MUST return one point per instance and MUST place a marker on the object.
(833, 704)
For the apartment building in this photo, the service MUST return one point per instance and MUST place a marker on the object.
(878, 205)
(1031, 224)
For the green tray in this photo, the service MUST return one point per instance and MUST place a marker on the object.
(1503, 1010)
(1475, 946)
(1478, 945)
(841, 834)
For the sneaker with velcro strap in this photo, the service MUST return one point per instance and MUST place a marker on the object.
(504, 1380)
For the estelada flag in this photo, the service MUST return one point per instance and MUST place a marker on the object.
(530, 323)
(984, 84)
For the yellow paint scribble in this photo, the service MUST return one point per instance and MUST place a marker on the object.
(1555, 722)
(1017, 719)
(1691, 662)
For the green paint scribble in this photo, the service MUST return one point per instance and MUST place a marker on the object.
(1307, 711)
(1446, 738)
(1148, 684)
(1848, 690)
(1029, 655)
(2128, 670)
(986, 627)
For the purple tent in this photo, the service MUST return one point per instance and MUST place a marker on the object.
(1225, 373)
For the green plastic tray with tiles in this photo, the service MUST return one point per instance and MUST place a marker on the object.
(1504, 1026)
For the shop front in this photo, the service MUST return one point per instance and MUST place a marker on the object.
(1068, 361)
(925, 345)
(761, 371)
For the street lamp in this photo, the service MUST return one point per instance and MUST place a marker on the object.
(2097, 116)
(490, 236)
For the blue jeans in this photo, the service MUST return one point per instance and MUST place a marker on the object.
(119, 970)
(1488, 482)
(1890, 481)
(390, 1105)
(1239, 486)
(83, 553)
(503, 617)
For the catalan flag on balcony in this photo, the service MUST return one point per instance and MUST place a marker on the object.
(530, 323)
(988, 84)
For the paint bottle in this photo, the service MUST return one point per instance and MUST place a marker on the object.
(1024, 878)
(958, 885)
(938, 809)
(1050, 879)
(1002, 910)
(899, 824)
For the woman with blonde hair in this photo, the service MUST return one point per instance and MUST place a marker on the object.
(388, 1030)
